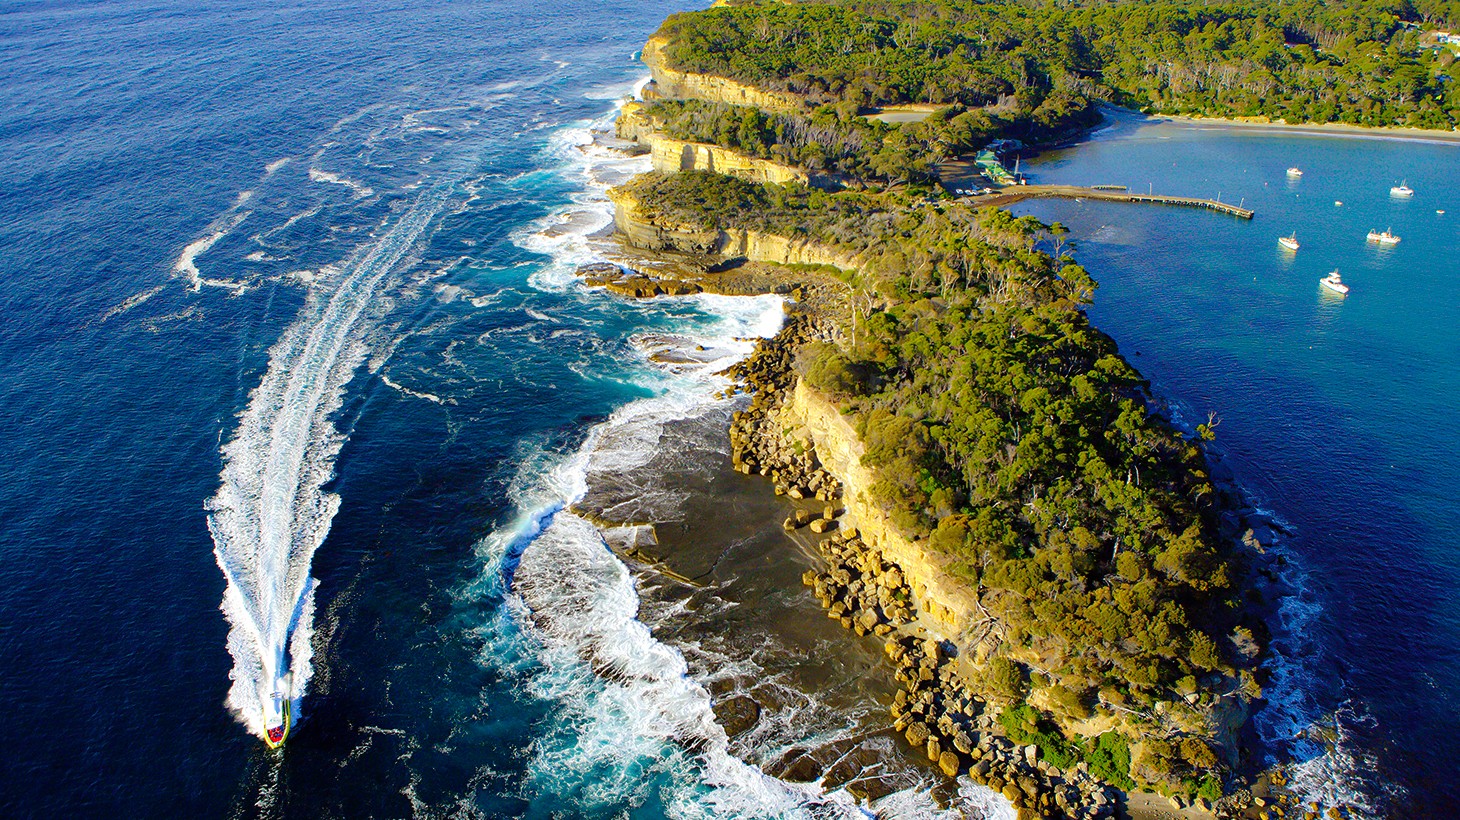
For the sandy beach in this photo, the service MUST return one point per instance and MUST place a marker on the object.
(1320, 129)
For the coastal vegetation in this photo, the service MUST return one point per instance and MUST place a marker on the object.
(1101, 616)
(1009, 435)
(1039, 64)
(834, 138)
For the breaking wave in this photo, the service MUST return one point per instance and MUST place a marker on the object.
(631, 726)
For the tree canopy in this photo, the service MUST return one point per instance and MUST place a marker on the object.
(1353, 61)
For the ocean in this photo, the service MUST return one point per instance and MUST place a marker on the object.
(300, 388)
(299, 385)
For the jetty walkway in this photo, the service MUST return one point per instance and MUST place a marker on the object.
(1017, 193)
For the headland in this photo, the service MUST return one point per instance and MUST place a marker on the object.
(1058, 582)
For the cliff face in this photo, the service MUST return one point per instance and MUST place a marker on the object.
(680, 85)
(673, 156)
(717, 245)
(950, 604)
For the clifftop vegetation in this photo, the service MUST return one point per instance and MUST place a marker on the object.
(835, 139)
(1009, 433)
(1352, 61)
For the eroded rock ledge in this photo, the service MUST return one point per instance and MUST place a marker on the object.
(675, 84)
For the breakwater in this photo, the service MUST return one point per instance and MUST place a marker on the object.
(1009, 196)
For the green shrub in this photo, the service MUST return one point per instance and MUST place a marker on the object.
(1109, 760)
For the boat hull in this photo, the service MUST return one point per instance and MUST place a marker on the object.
(276, 734)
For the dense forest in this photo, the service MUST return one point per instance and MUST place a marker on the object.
(1363, 62)
(1010, 433)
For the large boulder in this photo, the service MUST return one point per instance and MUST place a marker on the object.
(737, 715)
(917, 734)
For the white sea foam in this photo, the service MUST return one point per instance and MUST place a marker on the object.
(271, 511)
(577, 233)
(1327, 765)
(431, 397)
(187, 261)
(632, 718)
(361, 190)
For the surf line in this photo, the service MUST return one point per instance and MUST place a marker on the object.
(271, 511)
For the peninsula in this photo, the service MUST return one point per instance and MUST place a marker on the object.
(1060, 583)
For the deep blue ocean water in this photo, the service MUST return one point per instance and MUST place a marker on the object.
(1337, 415)
(336, 242)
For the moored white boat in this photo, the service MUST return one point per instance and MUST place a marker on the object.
(1289, 242)
(1383, 237)
(1402, 190)
(1295, 172)
(1334, 283)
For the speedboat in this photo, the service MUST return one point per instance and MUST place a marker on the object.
(278, 714)
(1289, 242)
(1334, 283)
(1402, 190)
(1383, 237)
(1295, 172)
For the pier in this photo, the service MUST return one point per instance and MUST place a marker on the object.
(1017, 193)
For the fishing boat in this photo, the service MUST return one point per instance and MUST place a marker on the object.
(1334, 283)
(1289, 242)
(1402, 190)
(1295, 172)
(1383, 237)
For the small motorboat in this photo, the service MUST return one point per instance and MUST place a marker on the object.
(277, 726)
(1383, 237)
(1289, 242)
(1334, 283)
(1295, 172)
(1337, 203)
(1402, 190)
(278, 712)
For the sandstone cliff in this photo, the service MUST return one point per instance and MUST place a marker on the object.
(949, 603)
(673, 156)
(717, 245)
(682, 85)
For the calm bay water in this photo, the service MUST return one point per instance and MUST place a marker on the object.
(1336, 414)
(185, 187)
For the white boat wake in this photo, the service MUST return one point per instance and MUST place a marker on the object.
(271, 511)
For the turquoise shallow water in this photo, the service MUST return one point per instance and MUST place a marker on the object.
(1336, 414)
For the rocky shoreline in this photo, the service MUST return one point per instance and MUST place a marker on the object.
(934, 709)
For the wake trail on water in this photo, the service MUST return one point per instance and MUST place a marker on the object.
(271, 511)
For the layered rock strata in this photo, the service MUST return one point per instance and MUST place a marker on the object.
(681, 85)
(716, 245)
(869, 592)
